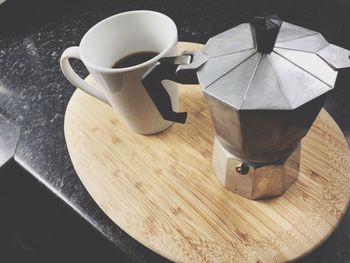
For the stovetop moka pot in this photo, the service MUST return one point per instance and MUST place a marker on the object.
(264, 83)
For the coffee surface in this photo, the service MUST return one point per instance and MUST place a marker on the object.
(135, 59)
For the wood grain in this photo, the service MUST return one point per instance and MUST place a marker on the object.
(161, 189)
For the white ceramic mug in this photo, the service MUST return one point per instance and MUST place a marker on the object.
(112, 39)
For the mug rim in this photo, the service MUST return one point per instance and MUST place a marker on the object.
(138, 66)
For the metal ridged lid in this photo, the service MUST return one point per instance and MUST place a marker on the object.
(301, 67)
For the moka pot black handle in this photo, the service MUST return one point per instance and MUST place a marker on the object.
(166, 69)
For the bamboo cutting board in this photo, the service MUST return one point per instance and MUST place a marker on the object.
(161, 189)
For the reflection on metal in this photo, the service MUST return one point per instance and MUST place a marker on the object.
(298, 85)
(336, 57)
(310, 44)
(220, 66)
(222, 73)
(9, 137)
(289, 32)
(311, 63)
(231, 41)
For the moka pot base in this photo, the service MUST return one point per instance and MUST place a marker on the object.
(255, 181)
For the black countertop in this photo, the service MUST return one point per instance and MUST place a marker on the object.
(34, 93)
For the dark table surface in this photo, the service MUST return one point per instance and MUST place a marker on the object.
(34, 93)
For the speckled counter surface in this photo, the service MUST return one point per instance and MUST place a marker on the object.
(35, 93)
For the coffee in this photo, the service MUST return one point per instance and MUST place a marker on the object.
(135, 59)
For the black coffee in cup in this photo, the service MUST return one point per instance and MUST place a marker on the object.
(135, 59)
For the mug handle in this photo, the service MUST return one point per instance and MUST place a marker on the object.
(69, 73)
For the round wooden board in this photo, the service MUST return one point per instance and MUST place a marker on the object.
(161, 189)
